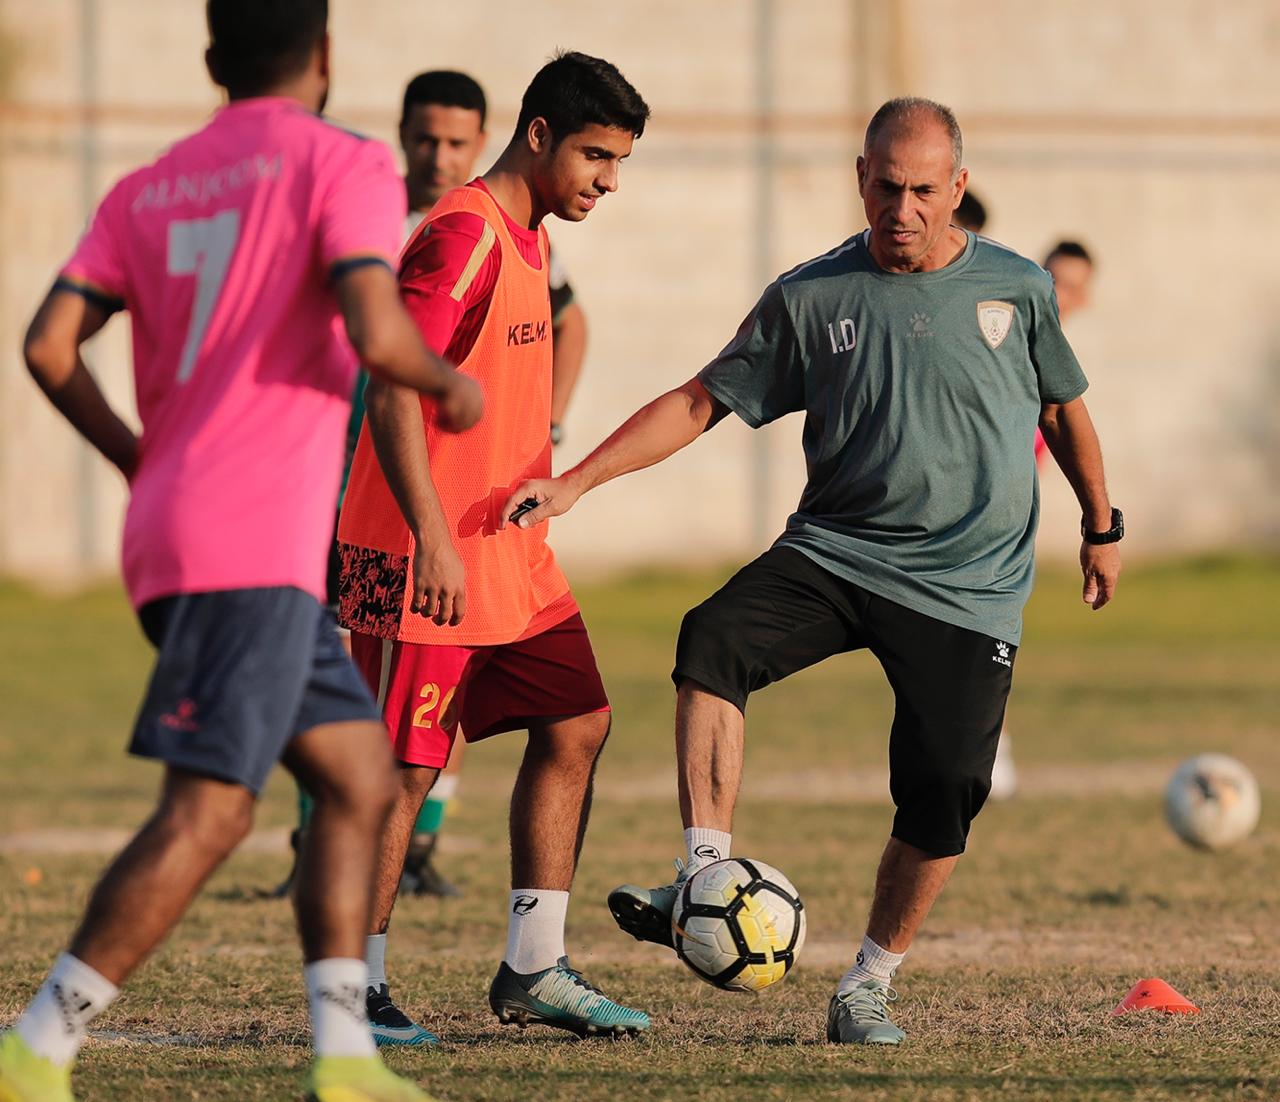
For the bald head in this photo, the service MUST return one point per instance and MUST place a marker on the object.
(912, 116)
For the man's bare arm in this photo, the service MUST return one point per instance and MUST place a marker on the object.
(399, 441)
(569, 349)
(1069, 433)
(390, 346)
(63, 323)
(667, 424)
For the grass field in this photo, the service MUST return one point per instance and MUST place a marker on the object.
(1070, 893)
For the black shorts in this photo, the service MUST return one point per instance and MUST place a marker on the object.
(240, 673)
(783, 613)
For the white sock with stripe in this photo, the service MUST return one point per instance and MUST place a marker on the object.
(56, 1022)
(873, 963)
(704, 845)
(335, 991)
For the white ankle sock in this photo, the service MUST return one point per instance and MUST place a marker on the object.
(55, 1023)
(535, 929)
(375, 958)
(335, 990)
(704, 845)
(873, 963)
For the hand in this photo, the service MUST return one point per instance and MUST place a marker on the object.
(439, 584)
(1100, 564)
(554, 496)
(461, 405)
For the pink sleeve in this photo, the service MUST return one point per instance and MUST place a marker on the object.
(363, 212)
(96, 268)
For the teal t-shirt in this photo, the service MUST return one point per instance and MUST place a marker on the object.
(921, 394)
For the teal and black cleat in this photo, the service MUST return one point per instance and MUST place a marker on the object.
(645, 913)
(560, 997)
(861, 1016)
(390, 1025)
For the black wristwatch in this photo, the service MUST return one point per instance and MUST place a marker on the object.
(1114, 534)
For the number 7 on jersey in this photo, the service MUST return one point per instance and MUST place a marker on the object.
(201, 247)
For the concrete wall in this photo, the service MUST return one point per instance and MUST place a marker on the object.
(1148, 128)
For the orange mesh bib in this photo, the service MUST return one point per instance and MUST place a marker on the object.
(512, 575)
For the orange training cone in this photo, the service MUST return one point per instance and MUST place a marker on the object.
(1154, 994)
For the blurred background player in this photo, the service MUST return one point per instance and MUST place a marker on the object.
(456, 623)
(235, 254)
(442, 135)
(1071, 267)
(971, 214)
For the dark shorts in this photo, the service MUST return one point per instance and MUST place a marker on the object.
(427, 691)
(239, 674)
(783, 613)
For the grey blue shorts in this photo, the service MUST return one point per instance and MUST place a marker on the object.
(239, 674)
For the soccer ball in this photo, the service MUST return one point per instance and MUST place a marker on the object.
(1212, 801)
(738, 924)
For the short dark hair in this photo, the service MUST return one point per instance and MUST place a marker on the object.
(1069, 248)
(905, 108)
(445, 87)
(256, 44)
(572, 91)
(971, 212)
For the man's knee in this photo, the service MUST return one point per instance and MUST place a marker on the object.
(360, 780)
(215, 820)
(934, 814)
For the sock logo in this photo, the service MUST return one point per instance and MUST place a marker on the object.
(71, 1008)
(523, 904)
(706, 853)
(347, 997)
(861, 959)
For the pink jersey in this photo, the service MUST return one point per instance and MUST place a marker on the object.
(224, 253)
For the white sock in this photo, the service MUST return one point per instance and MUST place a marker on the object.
(445, 788)
(535, 929)
(873, 963)
(55, 1023)
(375, 958)
(335, 990)
(704, 845)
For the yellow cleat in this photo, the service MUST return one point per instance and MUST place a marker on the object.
(355, 1079)
(26, 1077)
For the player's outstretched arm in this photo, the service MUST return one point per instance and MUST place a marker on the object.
(399, 441)
(63, 323)
(658, 430)
(389, 345)
(1069, 432)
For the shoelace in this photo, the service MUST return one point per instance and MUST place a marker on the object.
(872, 1001)
(579, 979)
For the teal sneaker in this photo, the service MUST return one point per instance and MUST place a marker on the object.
(359, 1079)
(26, 1077)
(861, 1016)
(560, 997)
(390, 1025)
(645, 913)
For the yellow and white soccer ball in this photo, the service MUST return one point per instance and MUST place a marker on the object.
(1212, 801)
(739, 924)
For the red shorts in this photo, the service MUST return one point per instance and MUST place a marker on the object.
(426, 692)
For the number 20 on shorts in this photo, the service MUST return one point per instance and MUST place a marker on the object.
(429, 695)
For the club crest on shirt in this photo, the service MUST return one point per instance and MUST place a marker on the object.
(995, 319)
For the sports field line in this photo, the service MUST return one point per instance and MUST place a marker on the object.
(1121, 778)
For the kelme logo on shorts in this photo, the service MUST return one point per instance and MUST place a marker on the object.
(994, 320)
(1002, 655)
(524, 904)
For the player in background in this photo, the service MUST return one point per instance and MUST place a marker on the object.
(442, 135)
(236, 253)
(971, 214)
(1071, 266)
(456, 621)
(922, 356)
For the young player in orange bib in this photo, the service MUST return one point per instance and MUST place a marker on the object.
(456, 620)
